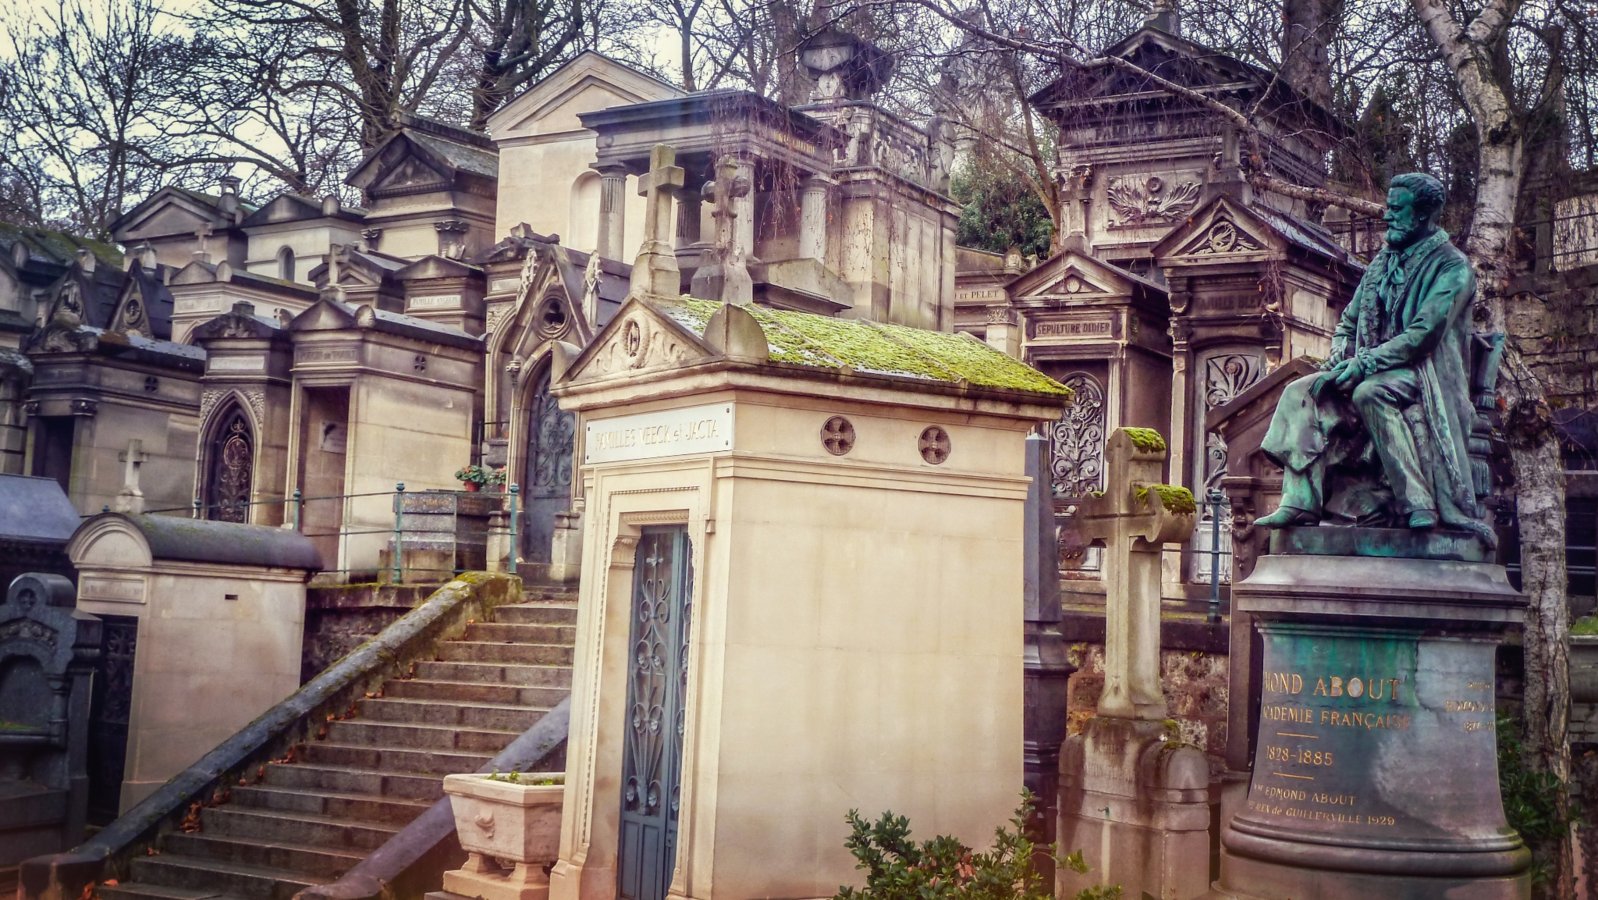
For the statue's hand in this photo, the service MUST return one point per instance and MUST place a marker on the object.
(1332, 377)
(1349, 378)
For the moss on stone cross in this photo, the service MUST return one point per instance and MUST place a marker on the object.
(1146, 439)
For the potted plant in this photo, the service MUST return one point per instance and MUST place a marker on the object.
(512, 819)
(473, 476)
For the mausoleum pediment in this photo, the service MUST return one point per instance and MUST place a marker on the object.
(1073, 276)
(588, 82)
(643, 337)
(1226, 231)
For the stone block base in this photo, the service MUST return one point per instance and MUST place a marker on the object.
(1259, 880)
(1135, 801)
(481, 879)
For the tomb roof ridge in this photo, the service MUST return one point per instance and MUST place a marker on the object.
(212, 541)
(876, 349)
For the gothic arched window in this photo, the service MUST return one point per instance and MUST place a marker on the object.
(232, 464)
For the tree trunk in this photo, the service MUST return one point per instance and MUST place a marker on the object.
(1307, 30)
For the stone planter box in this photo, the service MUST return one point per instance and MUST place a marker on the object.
(510, 831)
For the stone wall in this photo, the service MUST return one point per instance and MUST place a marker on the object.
(1193, 671)
(340, 618)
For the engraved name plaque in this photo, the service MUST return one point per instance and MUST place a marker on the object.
(654, 435)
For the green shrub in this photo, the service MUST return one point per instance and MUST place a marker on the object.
(898, 868)
(1531, 800)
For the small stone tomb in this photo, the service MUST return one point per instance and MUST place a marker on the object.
(47, 656)
(219, 610)
(802, 594)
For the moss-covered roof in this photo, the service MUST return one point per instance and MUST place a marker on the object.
(58, 246)
(822, 342)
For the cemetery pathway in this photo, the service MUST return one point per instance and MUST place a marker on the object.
(309, 819)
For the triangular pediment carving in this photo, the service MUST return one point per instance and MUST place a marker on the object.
(1071, 275)
(324, 315)
(642, 338)
(1223, 231)
(409, 175)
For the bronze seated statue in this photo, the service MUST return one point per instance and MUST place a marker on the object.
(1390, 433)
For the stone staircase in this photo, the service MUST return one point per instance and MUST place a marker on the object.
(308, 819)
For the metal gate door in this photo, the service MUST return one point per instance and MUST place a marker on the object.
(657, 682)
(548, 480)
(110, 708)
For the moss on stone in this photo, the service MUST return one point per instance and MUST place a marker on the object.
(1175, 498)
(1146, 439)
(807, 339)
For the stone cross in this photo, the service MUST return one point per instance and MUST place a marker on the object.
(655, 270)
(202, 240)
(1135, 516)
(726, 279)
(130, 499)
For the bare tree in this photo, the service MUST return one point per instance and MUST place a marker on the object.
(517, 42)
(80, 123)
(383, 57)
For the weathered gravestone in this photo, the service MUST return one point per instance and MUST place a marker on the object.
(47, 654)
(1133, 798)
(1375, 768)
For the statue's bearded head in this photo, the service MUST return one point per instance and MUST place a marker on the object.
(1414, 202)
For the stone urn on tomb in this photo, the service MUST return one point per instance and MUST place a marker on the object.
(509, 826)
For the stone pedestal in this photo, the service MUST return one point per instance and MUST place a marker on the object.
(440, 533)
(1375, 770)
(1148, 793)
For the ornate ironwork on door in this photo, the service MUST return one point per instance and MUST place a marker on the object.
(657, 688)
(1077, 457)
(1225, 376)
(548, 484)
(232, 458)
(110, 709)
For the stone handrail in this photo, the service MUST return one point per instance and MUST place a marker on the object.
(63, 876)
(390, 870)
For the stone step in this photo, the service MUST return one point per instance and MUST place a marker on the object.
(394, 760)
(466, 715)
(210, 874)
(421, 737)
(533, 592)
(537, 614)
(468, 692)
(322, 861)
(272, 826)
(353, 807)
(508, 633)
(355, 780)
(134, 891)
(483, 651)
(494, 673)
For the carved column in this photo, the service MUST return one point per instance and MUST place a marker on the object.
(612, 211)
(1046, 667)
(813, 219)
(744, 224)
